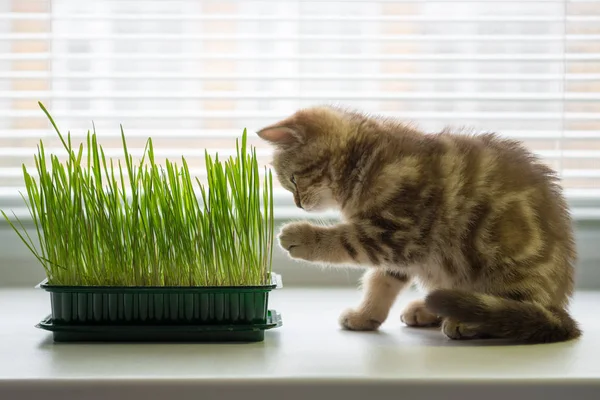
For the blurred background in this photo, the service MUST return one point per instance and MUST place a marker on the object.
(193, 74)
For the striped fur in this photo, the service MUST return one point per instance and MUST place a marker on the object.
(451, 211)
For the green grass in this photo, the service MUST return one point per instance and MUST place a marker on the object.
(159, 227)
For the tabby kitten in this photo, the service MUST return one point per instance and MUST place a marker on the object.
(477, 221)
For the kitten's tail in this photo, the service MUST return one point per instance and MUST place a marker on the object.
(504, 318)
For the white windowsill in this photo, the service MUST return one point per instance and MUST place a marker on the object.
(308, 357)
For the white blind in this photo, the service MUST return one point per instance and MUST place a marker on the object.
(193, 74)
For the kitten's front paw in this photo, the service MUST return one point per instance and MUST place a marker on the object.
(355, 320)
(300, 240)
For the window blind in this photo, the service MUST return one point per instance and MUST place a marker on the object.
(193, 74)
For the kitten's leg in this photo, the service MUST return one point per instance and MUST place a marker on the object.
(339, 244)
(416, 314)
(380, 289)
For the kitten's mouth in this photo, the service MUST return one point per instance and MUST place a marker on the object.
(298, 203)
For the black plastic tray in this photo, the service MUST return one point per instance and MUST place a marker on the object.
(151, 305)
(161, 333)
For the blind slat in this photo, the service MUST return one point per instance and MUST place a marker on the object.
(262, 115)
(358, 57)
(138, 17)
(242, 38)
(324, 95)
(500, 76)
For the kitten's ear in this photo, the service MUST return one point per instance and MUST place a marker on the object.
(280, 135)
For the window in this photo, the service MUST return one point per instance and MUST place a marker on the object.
(193, 74)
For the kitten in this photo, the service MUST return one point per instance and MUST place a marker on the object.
(478, 221)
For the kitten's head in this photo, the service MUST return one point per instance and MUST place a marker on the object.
(306, 145)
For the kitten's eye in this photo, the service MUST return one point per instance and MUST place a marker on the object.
(293, 180)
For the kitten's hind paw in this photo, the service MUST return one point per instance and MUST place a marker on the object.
(416, 314)
(459, 330)
(355, 320)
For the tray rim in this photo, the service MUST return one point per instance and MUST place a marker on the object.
(274, 320)
(276, 283)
